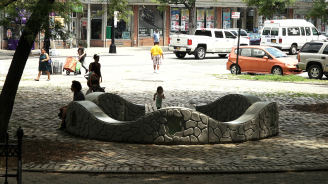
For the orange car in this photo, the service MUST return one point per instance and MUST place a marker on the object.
(262, 59)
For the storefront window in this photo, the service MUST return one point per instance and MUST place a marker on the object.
(302, 14)
(150, 19)
(226, 17)
(180, 19)
(96, 21)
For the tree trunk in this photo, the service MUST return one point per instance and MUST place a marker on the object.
(192, 16)
(18, 63)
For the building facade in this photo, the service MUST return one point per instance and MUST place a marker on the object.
(93, 29)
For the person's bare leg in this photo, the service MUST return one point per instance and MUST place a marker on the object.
(63, 116)
(154, 67)
(48, 73)
(157, 67)
(39, 75)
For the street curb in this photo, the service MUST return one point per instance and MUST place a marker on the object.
(172, 171)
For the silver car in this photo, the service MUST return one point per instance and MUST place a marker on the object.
(313, 58)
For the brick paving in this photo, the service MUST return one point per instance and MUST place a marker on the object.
(301, 144)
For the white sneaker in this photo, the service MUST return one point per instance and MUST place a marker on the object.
(157, 71)
(154, 71)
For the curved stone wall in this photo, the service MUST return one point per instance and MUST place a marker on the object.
(229, 107)
(174, 125)
(116, 107)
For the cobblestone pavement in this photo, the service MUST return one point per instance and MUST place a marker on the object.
(301, 144)
(318, 177)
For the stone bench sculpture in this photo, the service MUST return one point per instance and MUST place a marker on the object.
(177, 125)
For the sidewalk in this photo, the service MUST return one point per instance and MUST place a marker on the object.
(120, 51)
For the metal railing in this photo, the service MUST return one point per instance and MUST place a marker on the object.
(13, 150)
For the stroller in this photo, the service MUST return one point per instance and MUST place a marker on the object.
(72, 65)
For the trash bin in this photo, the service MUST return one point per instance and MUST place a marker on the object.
(57, 67)
(109, 32)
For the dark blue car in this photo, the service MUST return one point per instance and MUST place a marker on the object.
(254, 38)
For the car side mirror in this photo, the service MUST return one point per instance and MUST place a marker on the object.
(265, 57)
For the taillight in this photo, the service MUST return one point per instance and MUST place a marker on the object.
(170, 40)
(260, 39)
(280, 40)
(298, 56)
(248, 38)
(189, 42)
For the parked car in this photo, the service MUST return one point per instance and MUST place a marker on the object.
(289, 34)
(219, 41)
(243, 32)
(313, 58)
(262, 59)
(254, 38)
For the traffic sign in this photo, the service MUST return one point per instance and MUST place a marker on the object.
(235, 15)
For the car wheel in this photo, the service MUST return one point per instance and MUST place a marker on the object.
(180, 54)
(235, 69)
(315, 72)
(293, 50)
(222, 55)
(200, 53)
(276, 70)
(68, 72)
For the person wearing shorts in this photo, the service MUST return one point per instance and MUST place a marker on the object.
(156, 52)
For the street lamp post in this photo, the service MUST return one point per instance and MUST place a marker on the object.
(112, 47)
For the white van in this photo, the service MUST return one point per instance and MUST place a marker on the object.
(289, 34)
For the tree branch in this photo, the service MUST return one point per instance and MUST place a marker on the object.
(6, 3)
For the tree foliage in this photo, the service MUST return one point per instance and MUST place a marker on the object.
(269, 7)
(24, 8)
(319, 10)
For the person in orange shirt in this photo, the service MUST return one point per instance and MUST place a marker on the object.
(156, 52)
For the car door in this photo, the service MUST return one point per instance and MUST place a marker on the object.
(259, 64)
(324, 59)
(308, 35)
(230, 40)
(219, 41)
(315, 33)
(245, 59)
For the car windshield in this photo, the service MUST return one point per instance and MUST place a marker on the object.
(276, 53)
(242, 33)
(254, 36)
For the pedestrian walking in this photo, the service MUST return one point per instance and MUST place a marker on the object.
(156, 52)
(156, 36)
(159, 96)
(96, 67)
(82, 54)
(43, 64)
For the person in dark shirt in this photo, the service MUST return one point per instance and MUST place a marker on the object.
(76, 87)
(81, 52)
(95, 66)
(93, 84)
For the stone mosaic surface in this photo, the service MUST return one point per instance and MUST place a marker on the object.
(175, 125)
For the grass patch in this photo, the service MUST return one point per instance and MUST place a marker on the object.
(269, 77)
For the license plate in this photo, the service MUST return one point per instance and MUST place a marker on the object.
(178, 48)
(273, 41)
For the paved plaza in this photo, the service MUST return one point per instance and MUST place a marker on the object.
(301, 144)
